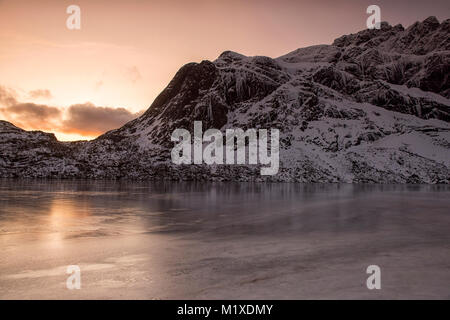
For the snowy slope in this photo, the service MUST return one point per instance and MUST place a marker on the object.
(372, 107)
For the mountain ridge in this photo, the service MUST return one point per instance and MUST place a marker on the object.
(371, 107)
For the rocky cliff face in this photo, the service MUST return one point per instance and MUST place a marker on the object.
(372, 107)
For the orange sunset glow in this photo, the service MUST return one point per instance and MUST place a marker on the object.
(82, 83)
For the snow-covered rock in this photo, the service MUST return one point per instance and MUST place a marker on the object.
(372, 107)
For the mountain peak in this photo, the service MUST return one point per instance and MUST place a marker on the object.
(369, 37)
(420, 38)
(431, 21)
(5, 125)
(229, 57)
(423, 28)
(231, 54)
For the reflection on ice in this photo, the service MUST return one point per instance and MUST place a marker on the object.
(222, 240)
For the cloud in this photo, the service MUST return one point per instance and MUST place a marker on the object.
(133, 74)
(7, 96)
(26, 114)
(33, 116)
(85, 119)
(39, 111)
(40, 93)
(88, 119)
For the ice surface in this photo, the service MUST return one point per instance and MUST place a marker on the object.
(223, 240)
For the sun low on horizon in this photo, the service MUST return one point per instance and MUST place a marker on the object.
(80, 83)
(72, 137)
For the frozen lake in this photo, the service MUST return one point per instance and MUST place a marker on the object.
(222, 240)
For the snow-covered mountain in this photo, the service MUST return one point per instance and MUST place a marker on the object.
(372, 107)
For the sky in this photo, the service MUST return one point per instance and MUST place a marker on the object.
(82, 83)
